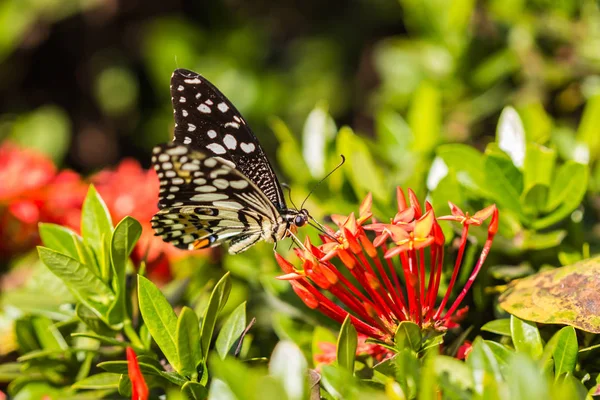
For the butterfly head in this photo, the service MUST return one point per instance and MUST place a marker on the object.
(297, 218)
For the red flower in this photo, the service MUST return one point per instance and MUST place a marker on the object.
(22, 172)
(375, 298)
(464, 350)
(32, 192)
(139, 388)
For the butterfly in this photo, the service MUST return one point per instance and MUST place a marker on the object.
(216, 183)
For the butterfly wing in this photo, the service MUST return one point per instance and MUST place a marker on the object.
(206, 121)
(205, 201)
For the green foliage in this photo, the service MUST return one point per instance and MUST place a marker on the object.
(477, 103)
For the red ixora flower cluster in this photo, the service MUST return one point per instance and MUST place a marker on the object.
(376, 296)
(33, 190)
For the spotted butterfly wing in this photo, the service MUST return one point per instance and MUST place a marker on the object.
(207, 121)
(216, 184)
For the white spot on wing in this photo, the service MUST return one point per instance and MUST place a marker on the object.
(223, 107)
(182, 99)
(210, 162)
(180, 88)
(230, 141)
(187, 140)
(241, 184)
(216, 148)
(203, 108)
(209, 197)
(194, 81)
(247, 147)
(212, 134)
(221, 183)
(206, 189)
(209, 102)
(184, 113)
(191, 127)
(232, 124)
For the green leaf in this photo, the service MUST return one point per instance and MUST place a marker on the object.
(500, 183)
(188, 342)
(92, 321)
(485, 371)
(25, 335)
(103, 380)
(566, 295)
(242, 381)
(498, 326)
(526, 380)
(468, 165)
(565, 354)
(217, 301)
(194, 391)
(160, 319)
(425, 117)
(346, 345)
(539, 165)
(361, 170)
(532, 240)
(526, 337)
(534, 199)
(502, 353)
(59, 238)
(408, 335)
(48, 334)
(230, 333)
(124, 385)
(96, 225)
(588, 128)
(123, 240)
(10, 371)
(86, 286)
(566, 193)
(147, 368)
(449, 370)
(289, 366)
(563, 348)
(103, 339)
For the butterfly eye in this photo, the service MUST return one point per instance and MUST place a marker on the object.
(299, 220)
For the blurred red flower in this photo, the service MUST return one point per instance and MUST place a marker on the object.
(395, 277)
(464, 350)
(33, 192)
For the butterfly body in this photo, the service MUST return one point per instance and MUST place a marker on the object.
(216, 183)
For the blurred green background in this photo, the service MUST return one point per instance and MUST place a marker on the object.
(391, 84)
(87, 81)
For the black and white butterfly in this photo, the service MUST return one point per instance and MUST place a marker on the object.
(216, 183)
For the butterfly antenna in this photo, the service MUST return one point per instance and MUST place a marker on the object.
(289, 189)
(317, 225)
(322, 180)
